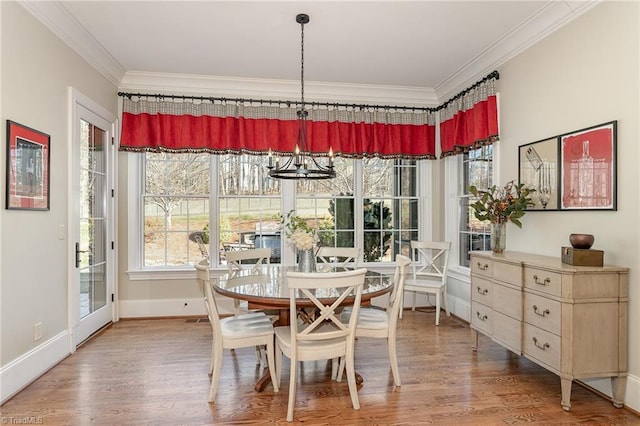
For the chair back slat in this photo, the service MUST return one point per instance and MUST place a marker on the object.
(238, 259)
(339, 256)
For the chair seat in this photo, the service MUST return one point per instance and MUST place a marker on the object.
(369, 318)
(310, 350)
(422, 283)
(253, 324)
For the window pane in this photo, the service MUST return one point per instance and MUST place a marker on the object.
(176, 207)
(249, 206)
(342, 184)
(245, 175)
(474, 234)
(392, 208)
(329, 204)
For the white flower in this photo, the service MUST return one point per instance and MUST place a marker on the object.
(303, 240)
(299, 232)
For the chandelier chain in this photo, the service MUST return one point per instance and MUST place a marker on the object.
(302, 64)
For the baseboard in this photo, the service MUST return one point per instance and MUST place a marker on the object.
(457, 307)
(603, 387)
(154, 308)
(20, 372)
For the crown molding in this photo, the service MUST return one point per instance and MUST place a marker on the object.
(202, 85)
(550, 18)
(55, 17)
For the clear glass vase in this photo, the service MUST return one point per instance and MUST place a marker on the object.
(307, 260)
(498, 237)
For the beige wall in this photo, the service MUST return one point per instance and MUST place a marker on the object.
(37, 69)
(585, 74)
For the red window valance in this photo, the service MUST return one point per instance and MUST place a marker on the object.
(186, 125)
(470, 119)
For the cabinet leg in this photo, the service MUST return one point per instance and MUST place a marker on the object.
(618, 387)
(565, 385)
(474, 340)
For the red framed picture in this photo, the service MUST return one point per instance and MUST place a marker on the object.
(28, 154)
(588, 162)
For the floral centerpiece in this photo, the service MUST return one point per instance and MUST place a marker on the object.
(304, 238)
(500, 205)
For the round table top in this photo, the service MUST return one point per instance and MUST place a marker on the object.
(266, 285)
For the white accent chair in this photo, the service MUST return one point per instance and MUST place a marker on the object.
(339, 256)
(238, 260)
(382, 323)
(240, 331)
(430, 265)
(326, 337)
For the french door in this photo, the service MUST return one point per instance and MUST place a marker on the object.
(91, 225)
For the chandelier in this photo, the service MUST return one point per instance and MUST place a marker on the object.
(301, 165)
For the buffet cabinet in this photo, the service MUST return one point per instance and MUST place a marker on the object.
(571, 320)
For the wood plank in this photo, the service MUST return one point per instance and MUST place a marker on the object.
(155, 372)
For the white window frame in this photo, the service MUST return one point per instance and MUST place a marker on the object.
(137, 271)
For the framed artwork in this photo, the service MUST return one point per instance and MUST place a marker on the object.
(588, 168)
(28, 154)
(538, 169)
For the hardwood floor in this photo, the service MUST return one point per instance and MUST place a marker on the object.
(154, 372)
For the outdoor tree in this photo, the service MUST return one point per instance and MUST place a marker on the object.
(172, 178)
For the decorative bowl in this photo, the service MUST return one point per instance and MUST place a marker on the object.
(581, 241)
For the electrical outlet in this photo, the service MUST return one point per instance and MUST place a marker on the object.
(37, 331)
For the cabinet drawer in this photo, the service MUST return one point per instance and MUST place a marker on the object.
(542, 312)
(482, 318)
(508, 272)
(482, 291)
(481, 266)
(542, 346)
(507, 301)
(508, 333)
(544, 281)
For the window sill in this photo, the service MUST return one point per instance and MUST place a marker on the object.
(168, 274)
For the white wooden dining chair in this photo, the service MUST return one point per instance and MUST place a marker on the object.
(430, 265)
(247, 330)
(325, 337)
(381, 324)
(246, 259)
(339, 256)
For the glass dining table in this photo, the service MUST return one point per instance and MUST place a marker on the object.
(265, 287)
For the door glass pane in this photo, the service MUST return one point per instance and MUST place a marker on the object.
(92, 245)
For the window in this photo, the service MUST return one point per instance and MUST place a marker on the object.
(175, 200)
(330, 204)
(248, 205)
(193, 200)
(382, 219)
(390, 208)
(477, 169)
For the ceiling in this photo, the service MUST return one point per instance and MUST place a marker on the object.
(430, 46)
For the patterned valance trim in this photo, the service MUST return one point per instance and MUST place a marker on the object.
(187, 125)
(470, 120)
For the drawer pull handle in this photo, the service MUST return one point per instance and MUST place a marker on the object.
(481, 291)
(483, 267)
(545, 282)
(483, 317)
(543, 313)
(543, 347)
